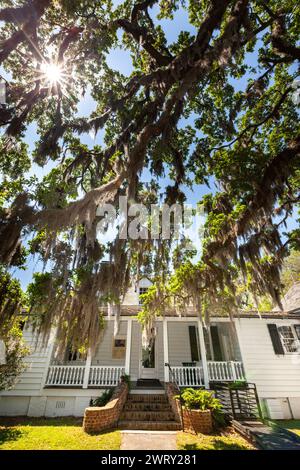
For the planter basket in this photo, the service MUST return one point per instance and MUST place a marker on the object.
(197, 421)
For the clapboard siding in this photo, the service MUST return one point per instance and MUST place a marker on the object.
(103, 354)
(179, 342)
(274, 375)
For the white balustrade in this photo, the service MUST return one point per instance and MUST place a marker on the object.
(188, 376)
(225, 371)
(105, 375)
(67, 376)
(218, 371)
(73, 376)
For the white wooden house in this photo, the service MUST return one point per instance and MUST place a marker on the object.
(263, 349)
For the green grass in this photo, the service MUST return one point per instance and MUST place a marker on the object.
(53, 434)
(229, 440)
(290, 424)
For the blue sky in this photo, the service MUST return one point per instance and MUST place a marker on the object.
(120, 60)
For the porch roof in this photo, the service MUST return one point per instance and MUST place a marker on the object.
(190, 312)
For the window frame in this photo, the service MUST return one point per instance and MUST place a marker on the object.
(119, 352)
(145, 289)
(294, 336)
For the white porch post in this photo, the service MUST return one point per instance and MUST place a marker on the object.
(166, 349)
(128, 346)
(203, 355)
(87, 369)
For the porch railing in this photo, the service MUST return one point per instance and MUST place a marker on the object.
(101, 375)
(69, 376)
(188, 376)
(73, 376)
(218, 371)
(225, 371)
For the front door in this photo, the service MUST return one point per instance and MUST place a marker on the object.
(148, 362)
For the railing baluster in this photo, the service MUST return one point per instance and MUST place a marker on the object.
(225, 371)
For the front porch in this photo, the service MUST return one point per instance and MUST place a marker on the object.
(109, 376)
(195, 356)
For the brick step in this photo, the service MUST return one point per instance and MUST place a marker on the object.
(142, 406)
(150, 425)
(147, 416)
(147, 398)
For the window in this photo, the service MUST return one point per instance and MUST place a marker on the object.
(120, 343)
(288, 338)
(119, 348)
(215, 338)
(142, 290)
(75, 356)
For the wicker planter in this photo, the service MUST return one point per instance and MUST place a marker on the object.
(197, 421)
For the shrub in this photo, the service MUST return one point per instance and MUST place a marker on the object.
(238, 384)
(16, 350)
(103, 399)
(197, 399)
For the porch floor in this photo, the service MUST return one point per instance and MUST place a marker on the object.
(149, 384)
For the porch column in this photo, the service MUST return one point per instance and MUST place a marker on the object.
(86, 375)
(128, 346)
(203, 355)
(166, 349)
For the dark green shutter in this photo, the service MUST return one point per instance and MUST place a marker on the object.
(275, 338)
(216, 343)
(297, 329)
(193, 344)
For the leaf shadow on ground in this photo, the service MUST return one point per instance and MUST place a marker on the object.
(10, 434)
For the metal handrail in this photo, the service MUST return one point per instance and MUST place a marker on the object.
(174, 382)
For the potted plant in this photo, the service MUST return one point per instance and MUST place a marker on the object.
(198, 408)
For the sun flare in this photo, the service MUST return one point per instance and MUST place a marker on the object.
(52, 72)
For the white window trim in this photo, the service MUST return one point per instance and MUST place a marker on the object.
(145, 291)
(296, 340)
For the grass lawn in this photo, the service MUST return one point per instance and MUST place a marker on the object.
(229, 440)
(53, 434)
(290, 424)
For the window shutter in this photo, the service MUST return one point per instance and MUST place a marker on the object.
(275, 338)
(193, 344)
(297, 329)
(216, 343)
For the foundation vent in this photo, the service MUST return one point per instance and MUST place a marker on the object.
(60, 404)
